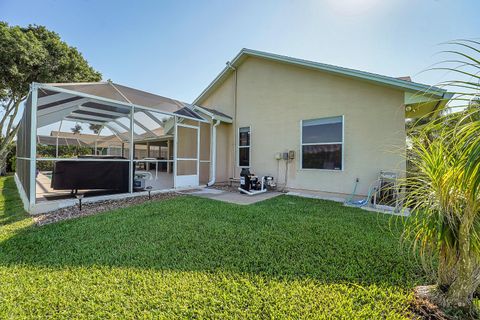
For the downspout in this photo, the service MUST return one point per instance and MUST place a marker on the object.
(213, 154)
(229, 64)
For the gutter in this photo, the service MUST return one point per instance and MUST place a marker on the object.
(213, 153)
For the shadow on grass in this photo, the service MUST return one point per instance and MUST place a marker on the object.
(11, 206)
(285, 237)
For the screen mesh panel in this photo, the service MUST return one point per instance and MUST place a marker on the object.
(187, 142)
(186, 167)
(24, 146)
(23, 172)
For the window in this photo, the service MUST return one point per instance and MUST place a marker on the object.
(244, 147)
(322, 143)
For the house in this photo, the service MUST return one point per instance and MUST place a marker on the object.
(311, 126)
(341, 124)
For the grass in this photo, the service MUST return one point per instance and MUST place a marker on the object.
(189, 257)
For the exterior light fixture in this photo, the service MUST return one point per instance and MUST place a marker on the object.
(149, 189)
(79, 197)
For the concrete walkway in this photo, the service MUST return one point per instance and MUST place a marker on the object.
(232, 197)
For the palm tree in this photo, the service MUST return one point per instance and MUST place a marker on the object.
(96, 128)
(444, 186)
(76, 129)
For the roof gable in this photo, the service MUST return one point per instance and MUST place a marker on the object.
(399, 83)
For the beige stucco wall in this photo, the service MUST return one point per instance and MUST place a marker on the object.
(224, 153)
(274, 97)
(222, 100)
(205, 133)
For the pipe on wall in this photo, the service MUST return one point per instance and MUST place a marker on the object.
(229, 64)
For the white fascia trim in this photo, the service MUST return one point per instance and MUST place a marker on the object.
(377, 78)
(208, 113)
(413, 86)
(212, 115)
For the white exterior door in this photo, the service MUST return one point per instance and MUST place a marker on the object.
(187, 156)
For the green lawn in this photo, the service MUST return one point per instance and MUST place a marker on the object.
(188, 257)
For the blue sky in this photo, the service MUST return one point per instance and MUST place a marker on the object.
(176, 48)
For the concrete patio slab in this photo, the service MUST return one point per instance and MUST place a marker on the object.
(232, 197)
(337, 197)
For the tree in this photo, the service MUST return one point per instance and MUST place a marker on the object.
(76, 129)
(32, 54)
(444, 187)
(96, 128)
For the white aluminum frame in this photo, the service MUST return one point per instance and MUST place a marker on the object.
(133, 108)
(33, 147)
(156, 161)
(175, 131)
(237, 156)
(131, 150)
(315, 144)
(125, 104)
(186, 180)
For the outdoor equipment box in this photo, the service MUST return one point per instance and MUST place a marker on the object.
(90, 175)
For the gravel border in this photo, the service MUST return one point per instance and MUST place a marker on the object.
(96, 207)
(92, 208)
(234, 187)
(225, 187)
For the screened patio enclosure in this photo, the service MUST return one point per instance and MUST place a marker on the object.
(105, 139)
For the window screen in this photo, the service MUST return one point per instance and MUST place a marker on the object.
(322, 143)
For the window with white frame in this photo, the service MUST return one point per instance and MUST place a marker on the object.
(244, 147)
(322, 143)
